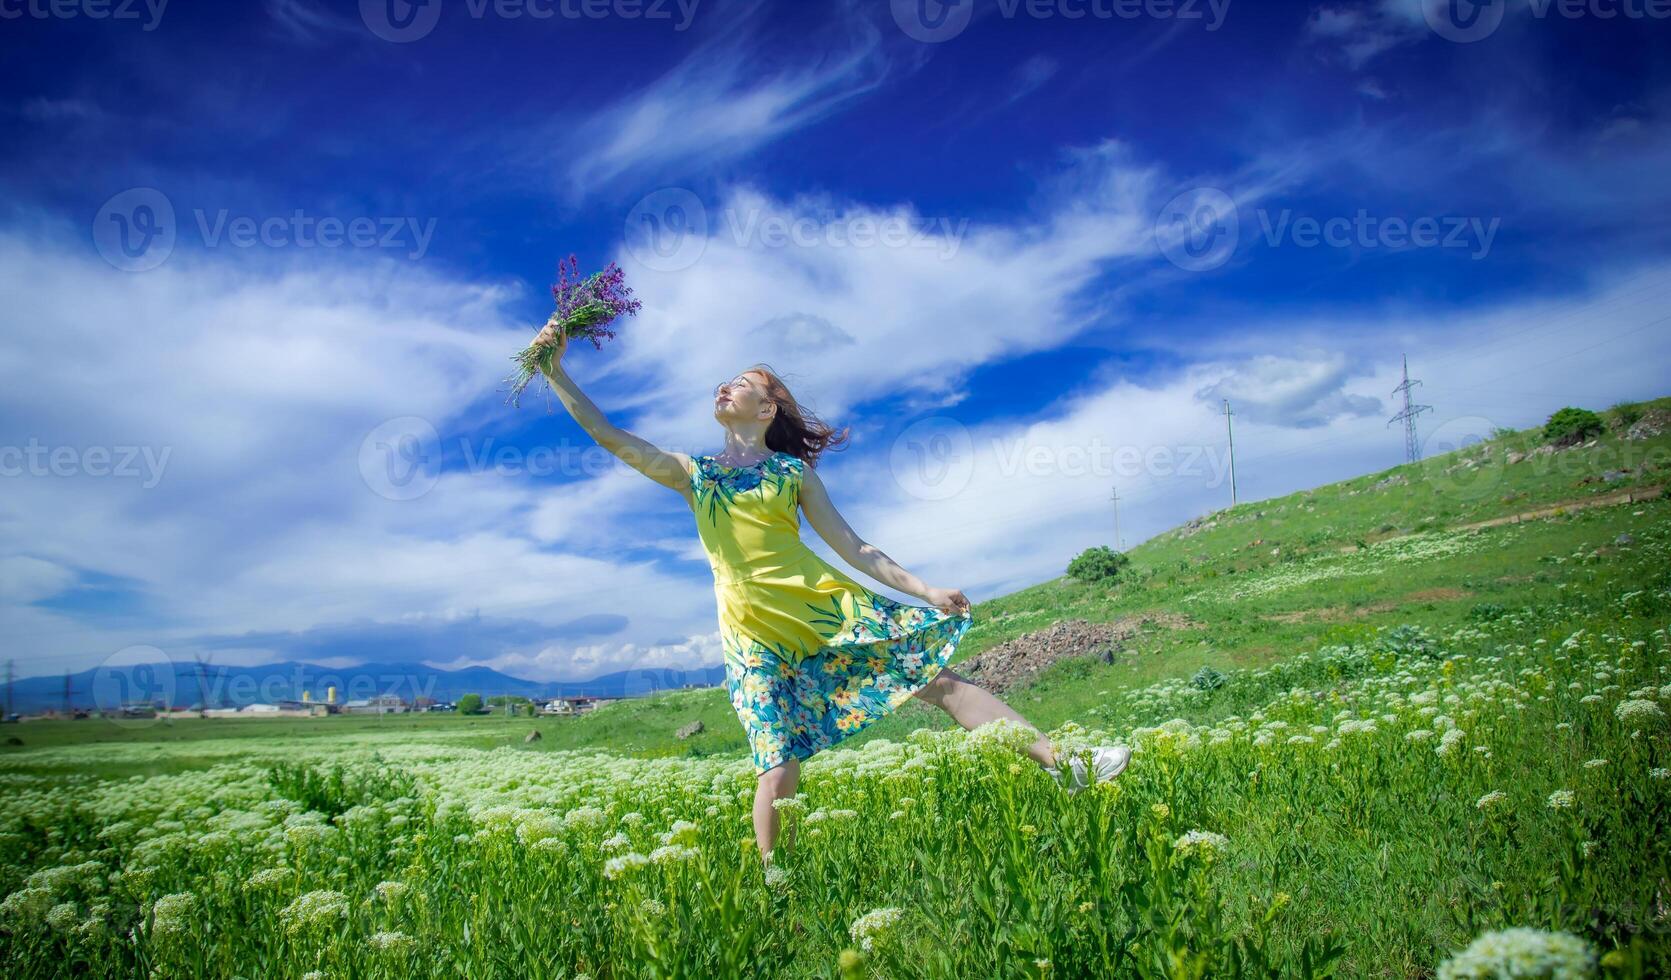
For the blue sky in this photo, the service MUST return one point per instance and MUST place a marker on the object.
(266, 264)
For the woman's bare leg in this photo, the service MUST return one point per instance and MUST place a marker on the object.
(774, 784)
(971, 706)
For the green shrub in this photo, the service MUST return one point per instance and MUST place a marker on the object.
(1206, 679)
(1571, 425)
(338, 788)
(1098, 564)
(1410, 641)
(1626, 414)
(469, 704)
(1487, 612)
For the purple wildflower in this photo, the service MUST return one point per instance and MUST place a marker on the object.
(585, 307)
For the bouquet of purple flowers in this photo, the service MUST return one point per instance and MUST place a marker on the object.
(585, 308)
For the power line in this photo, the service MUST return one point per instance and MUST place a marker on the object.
(1412, 447)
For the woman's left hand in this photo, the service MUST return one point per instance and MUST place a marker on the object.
(952, 602)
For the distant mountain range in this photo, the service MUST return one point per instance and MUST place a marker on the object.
(177, 684)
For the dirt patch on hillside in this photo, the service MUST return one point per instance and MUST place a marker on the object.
(1339, 614)
(1634, 495)
(1016, 663)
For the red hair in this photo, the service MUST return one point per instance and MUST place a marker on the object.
(795, 430)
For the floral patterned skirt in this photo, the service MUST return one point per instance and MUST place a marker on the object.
(813, 657)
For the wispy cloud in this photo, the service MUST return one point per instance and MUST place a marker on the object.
(302, 20)
(42, 109)
(1030, 76)
(723, 101)
(1358, 34)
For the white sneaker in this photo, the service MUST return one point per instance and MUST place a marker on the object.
(1107, 761)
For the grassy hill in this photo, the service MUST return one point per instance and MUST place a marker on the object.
(1269, 578)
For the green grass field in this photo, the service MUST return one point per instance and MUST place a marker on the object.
(1414, 733)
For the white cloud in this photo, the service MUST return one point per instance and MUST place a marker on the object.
(261, 386)
(1303, 392)
(902, 321)
(722, 102)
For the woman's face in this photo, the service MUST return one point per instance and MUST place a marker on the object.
(742, 398)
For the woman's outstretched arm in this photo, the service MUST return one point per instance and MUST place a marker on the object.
(866, 557)
(670, 469)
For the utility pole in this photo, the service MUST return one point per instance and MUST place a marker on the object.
(9, 690)
(1412, 448)
(1230, 432)
(202, 699)
(1118, 544)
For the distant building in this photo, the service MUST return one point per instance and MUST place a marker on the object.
(277, 709)
(383, 704)
(577, 705)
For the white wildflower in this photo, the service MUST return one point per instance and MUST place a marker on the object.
(1515, 953)
(875, 926)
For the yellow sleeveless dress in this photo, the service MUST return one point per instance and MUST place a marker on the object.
(811, 656)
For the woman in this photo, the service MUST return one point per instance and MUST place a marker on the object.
(811, 656)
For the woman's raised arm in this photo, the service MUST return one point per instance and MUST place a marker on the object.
(670, 469)
(821, 513)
